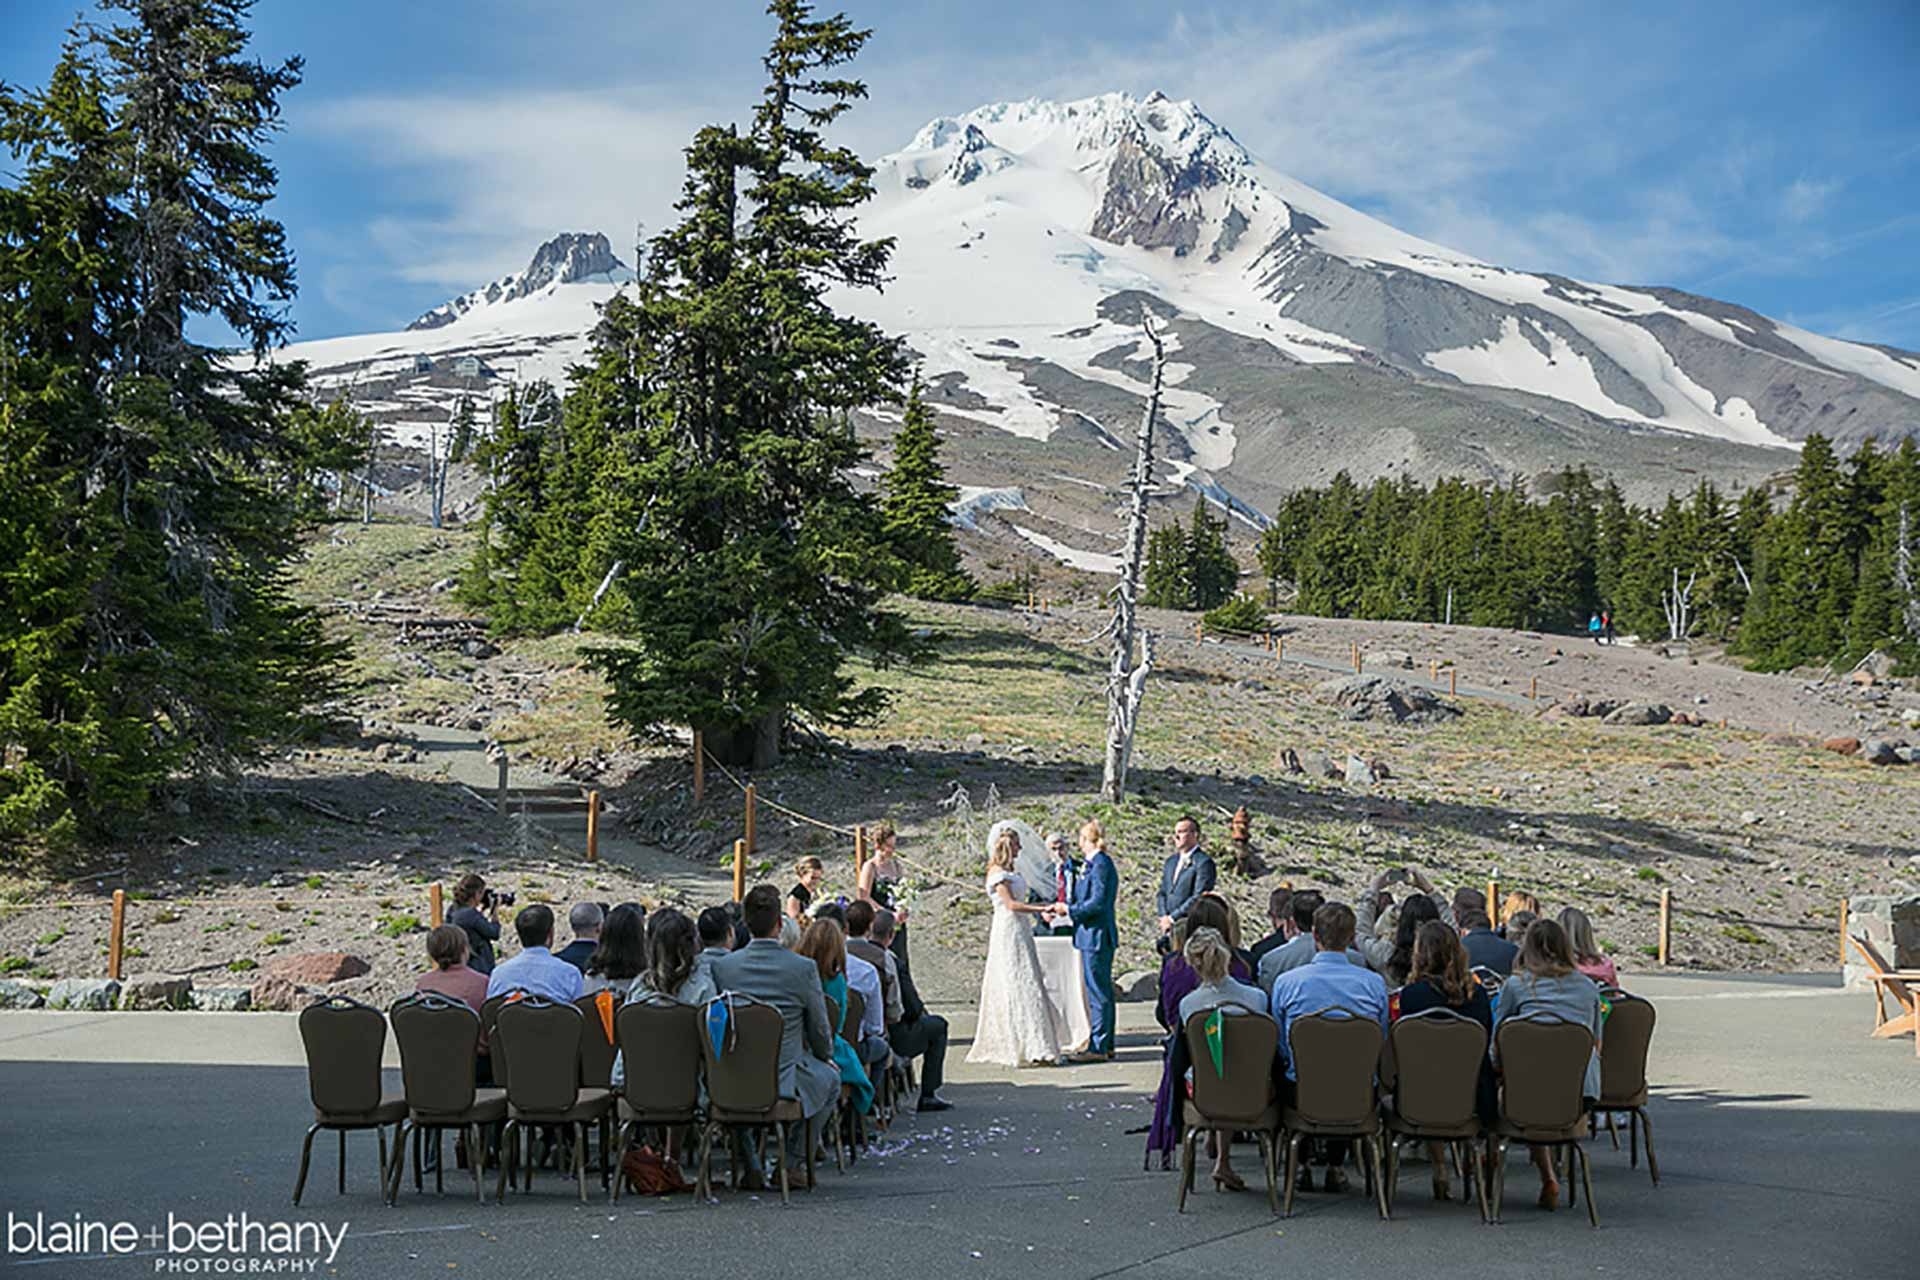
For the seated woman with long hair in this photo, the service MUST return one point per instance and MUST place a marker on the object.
(825, 943)
(1587, 957)
(621, 954)
(1438, 978)
(1545, 981)
(1178, 979)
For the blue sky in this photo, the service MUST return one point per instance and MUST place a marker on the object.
(1766, 153)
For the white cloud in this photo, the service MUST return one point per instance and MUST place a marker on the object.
(1805, 198)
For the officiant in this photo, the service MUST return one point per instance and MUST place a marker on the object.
(1064, 872)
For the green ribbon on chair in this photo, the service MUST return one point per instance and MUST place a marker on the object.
(1215, 1028)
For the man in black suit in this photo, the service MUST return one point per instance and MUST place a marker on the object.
(1280, 916)
(1188, 873)
(585, 920)
(918, 1034)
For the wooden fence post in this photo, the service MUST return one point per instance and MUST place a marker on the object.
(117, 934)
(1666, 923)
(1843, 933)
(1279, 648)
(739, 870)
(699, 766)
(1199, 630)
(752, 836)
(1533, 688)
(1493, 902)
(1453, 682)
(1433, 671)
(436, 907)
(593, 826)
(859, 852)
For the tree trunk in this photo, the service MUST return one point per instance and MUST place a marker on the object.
(1126, 682)
(755, 745)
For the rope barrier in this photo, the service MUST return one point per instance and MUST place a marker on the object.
(775, 805)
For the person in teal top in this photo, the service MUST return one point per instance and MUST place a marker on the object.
(825, 943)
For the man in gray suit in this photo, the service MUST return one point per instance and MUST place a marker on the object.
(1188, 873)
(790, 983)
(715, 927)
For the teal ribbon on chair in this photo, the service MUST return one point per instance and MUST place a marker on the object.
(719, 1021)
(1215, 1028)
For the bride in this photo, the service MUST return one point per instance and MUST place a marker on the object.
(1015, 1026)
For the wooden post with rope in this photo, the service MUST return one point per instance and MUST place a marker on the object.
(752, 842)
(739, 870)
(1433, 671)
(1533, 689)
(1843, 932)
(1279, 648)
(1493, 902)
(117, 934)
(436, 907)
(1666, 924)
(1453, 682)
(593, 826)
(859, 852)
(699, 766)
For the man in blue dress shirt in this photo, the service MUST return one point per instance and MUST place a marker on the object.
(536, 970)
(1329, 980)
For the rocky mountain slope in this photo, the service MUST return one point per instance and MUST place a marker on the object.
(1306, 336)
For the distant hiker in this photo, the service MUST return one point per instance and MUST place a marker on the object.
(1593, 628)
(1606, 625)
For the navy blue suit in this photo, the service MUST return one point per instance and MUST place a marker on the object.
(1096, 937)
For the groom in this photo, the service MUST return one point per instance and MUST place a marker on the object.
(1095, 937)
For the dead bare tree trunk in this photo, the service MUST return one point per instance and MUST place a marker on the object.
(1677, 604)
(1903, 572)
(1126, 681)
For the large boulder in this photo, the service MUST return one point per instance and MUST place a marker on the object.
(277, 994)
(1374, 697)
(96, 994)
(317, 968)
(156, 991)
(18, 995)
(1393, 659)
(1137, 985)
(1878, 665)
(1640, 713)
(1357, 772)
(1881, 751)
(1890, 925)
(1841, 746)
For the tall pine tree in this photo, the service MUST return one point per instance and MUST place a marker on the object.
(916, 504)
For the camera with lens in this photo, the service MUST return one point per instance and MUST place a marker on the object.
(490, 899)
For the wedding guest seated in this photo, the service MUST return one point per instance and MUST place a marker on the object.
(450, 977)
(1517, 901)
(1545, 981)
(918, 1033)
(1178, 978)
(809, 872)
(1485, 948)
(1330, 980)
(585, 920)
(791, 984)
(716, 928)
(1390, 956)
(672, 968)
(621, 955)
(1211, 959)
(1280, 918)
(825, 943)
(1515, 930)
(536, 970)
(1438, 978)
(1587, 957)
(790, 932)
(1300, 950)
(860, 916)
(869, 1039)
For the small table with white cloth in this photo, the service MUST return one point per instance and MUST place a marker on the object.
(1066, 992)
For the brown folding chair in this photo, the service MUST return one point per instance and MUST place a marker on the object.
(1435, 1097)
(489, 1023)
(1623, 1074)
(660, 1049)
(1888, 981)
(344, 1041)
(439, 1038)
(1237, 1098)
(1543, 1071)
(598, 1012)
(852, 1127)
(743, 1086)
(1335, 1054)
(544, 1087)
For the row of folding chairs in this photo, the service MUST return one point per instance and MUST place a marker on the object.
(552, 1065)
(1418, 1083)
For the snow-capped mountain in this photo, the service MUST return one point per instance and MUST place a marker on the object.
(573, 257)
(1306, 336)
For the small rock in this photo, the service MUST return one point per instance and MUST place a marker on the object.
(478, 649)
(222, 999)
(316, 968)
(1908, 755)
(156, 991)
(1881, 751)
(1841, 746)
(94, 994)
(1319, 765)
(443, 586)
(277, 994)
(1911, 716)
(1641, 713)
(1357, 772)
(1748, 818)
(1396, 659)
(18, 995)
(1137, 985)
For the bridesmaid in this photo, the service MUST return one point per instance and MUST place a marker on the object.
(876, 883)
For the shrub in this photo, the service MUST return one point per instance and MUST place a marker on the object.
(242, 965)
(1243, 613)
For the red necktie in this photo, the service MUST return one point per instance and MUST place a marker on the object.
(1060, 879)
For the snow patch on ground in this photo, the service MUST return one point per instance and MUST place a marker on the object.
(976, 501)
(1090, 561)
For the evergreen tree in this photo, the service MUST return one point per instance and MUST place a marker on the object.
(155, 487)
(1212, 573)
(752, 571)
(461, 442)
(916, 509)
(1166, 582)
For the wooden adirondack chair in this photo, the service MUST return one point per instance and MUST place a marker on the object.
(1891, 982)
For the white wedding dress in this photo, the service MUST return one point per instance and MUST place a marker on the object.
(1015, 1027)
